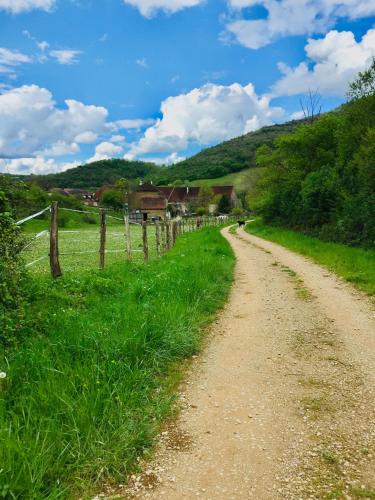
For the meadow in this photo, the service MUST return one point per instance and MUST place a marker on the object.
(88, 387)
(355, 265)
(79, 242)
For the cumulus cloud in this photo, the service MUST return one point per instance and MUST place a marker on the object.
(204, 116)
(334, 60)
(167, 160)
(66, 57)
(30, 121)
(18, 6)
(148, 8)
(105, 151)
(294, 17)
(37, 165)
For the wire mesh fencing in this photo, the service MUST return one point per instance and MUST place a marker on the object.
(107, 239)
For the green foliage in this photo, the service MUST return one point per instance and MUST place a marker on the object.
(364, 85)
(201, 211)
(12, 281)
(320, 178)
(356, 265)
(94, 175)
(224, 204)
(112, 198)
(84, 395)
(237, 211)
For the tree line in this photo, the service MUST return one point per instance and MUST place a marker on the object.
(321, 178)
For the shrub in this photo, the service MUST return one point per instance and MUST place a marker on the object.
(12, 280)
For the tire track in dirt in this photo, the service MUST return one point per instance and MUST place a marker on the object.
(280, 405)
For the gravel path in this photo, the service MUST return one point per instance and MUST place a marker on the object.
(281, 404)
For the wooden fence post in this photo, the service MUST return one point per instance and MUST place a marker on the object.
(127, 237)
(145, 242)
(157, 234)
(168, 228)
(174, 232)
(54, 242)
(103, 230)
(163, 236)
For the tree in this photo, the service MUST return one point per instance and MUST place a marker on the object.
(206, 195)
(224, 204)
(311, 106)
(112, 198)
(364, 85)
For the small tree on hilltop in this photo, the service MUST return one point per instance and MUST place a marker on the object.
(364, 85)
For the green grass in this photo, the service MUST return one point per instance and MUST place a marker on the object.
(86, 392)
(77, 236)
(355, 265)
(242, 181)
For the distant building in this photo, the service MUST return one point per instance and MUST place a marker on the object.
(87, 197)
(149, 201)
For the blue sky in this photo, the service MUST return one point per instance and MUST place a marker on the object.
(82, 80)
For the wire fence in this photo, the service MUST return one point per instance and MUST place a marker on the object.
(107, 239)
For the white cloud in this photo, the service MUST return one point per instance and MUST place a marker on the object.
(9, 59)
(137, 124)
(66, 56)
(167, 160)
(87, 137)
(117, 138)
(60, 148)
(148, 8)
(294, 17)
(17, 6)
(31, 122)
(336, 59)
(204, 116)
(297, 115)
(43, 45)
(142, 63)
(38, 165)
(105, 151)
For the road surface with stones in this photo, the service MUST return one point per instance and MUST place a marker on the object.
(281, 403)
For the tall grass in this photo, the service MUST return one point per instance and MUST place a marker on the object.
(85, 395)
(355, 265)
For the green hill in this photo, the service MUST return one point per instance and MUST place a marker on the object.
(95, 175)
(226, 158)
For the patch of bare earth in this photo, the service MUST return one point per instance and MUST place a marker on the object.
(281, 403)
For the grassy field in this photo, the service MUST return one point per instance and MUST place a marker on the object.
(355, 265)
(86, 391)
(242, 181)
(76, 237)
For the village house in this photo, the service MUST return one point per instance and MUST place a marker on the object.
(149, 201)
(87, 197)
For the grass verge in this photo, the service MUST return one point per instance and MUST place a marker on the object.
(85, 394)
(355, 265)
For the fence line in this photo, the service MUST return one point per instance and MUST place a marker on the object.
(32, 216)
(164, 236)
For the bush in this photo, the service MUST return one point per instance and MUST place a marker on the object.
(12, 280)
(237, 211)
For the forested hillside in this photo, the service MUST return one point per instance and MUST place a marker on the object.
(321, 178)
(94, 175)
(231, 156)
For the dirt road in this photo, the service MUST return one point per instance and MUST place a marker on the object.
(281, 404)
